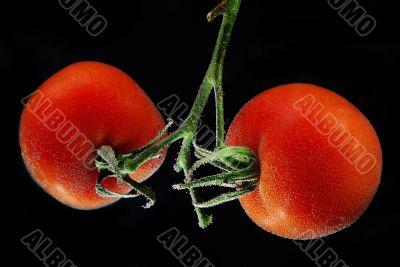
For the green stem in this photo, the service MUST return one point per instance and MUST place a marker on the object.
(143, 190)
(139, 188)
(230, 180)
(213, 80)
(184, 161)
(223, 198)
(130, 162)
(229, 9)
(220, 121)
(213, 77)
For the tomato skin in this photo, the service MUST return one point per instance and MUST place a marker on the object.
(108, 108)
(308, 188)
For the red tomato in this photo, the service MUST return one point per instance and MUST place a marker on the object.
(77, 110)
(320, 160)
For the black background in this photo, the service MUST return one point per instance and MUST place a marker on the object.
(166, 47)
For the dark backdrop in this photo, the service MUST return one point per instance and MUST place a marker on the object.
(166, 47)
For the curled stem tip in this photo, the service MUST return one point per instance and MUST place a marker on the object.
(218, 10)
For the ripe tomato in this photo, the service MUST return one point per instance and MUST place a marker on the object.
(73, 113)
(320, 160)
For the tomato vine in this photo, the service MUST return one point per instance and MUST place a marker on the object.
(238, 165)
